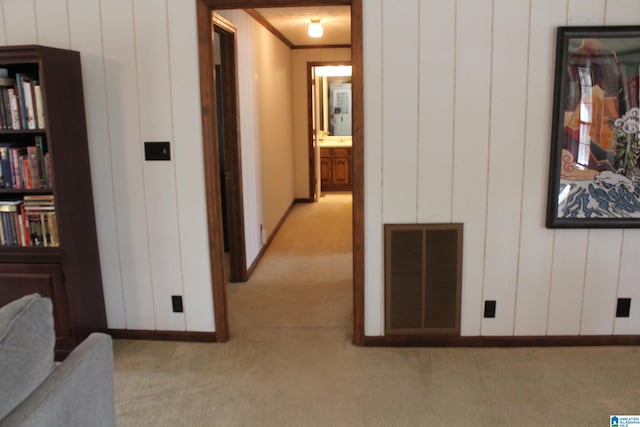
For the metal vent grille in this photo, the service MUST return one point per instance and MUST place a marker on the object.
(423, 270)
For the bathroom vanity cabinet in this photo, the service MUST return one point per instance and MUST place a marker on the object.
(335, 168)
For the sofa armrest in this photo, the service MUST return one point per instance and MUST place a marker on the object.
(79, 392)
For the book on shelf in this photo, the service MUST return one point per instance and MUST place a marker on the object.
(34, 167)
(21, 102)
(29, 107)
(40, 219)
(42, 166)
(5, 164)
(25, 166)
(10, 213)
(29, 222)
(17, 154)
(6, 83)
(37, 90)
(13, 108)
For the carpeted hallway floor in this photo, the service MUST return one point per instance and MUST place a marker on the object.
(290, 361)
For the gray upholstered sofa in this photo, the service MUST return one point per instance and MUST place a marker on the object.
(36, 392)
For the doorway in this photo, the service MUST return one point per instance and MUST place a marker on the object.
(330, 126)
(228, 149)
(205, 9)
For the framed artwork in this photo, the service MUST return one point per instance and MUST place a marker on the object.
(594, 175)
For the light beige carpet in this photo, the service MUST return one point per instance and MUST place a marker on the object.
(290, 361)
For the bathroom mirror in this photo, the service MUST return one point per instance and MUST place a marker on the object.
(335, 110)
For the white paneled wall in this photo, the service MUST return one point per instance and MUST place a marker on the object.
(400, 110)
(20, 22)
(471, 148)
(123, 118)
(140, 78)
(536, 243)
(507, 123)
(84, 19)
(187, 155)
(483, 72)
(437, 46)
(457, 107)
(155, 103)
(626, 12)
(52, 22)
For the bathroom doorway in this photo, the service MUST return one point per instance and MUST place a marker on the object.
(329, 90)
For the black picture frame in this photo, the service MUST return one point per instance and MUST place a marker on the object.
(594, 168)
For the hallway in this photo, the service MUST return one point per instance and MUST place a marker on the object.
(304, 279)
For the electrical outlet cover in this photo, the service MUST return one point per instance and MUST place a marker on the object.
(489, 309)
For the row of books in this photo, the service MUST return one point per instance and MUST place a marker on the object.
(29, 222)
(21, 104)
(25, 167)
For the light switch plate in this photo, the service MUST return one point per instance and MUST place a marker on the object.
(157, 150)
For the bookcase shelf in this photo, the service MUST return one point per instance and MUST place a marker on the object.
(48, 241)
(25, 191)
(22, 132)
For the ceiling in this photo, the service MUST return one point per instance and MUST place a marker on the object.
(292, 23)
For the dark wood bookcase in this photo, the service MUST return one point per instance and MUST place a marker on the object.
(67, 271)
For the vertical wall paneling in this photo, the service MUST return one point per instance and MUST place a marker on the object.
(3, 29)
(536, 242)
(507, 121)
(373, 110)
(126, 157)
(603, 259)
(628, 287)
(601, 282)
(437, 67)
(85, 34)
(429, 92)
(189, 167)
(52, 22)
(622, 12)
(154, 97)
(567, 282)
(571, 246)
(627, 12)
(586, 12)
(400, 119)
(20, 22)
(472, 105)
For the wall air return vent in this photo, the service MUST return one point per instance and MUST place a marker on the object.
(423, 276)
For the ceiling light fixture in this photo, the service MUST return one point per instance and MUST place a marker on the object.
(315, 29)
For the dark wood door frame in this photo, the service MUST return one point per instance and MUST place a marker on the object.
(214, 214)
(231, 140)
(311, 148)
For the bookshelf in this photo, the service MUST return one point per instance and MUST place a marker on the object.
(48, 241)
